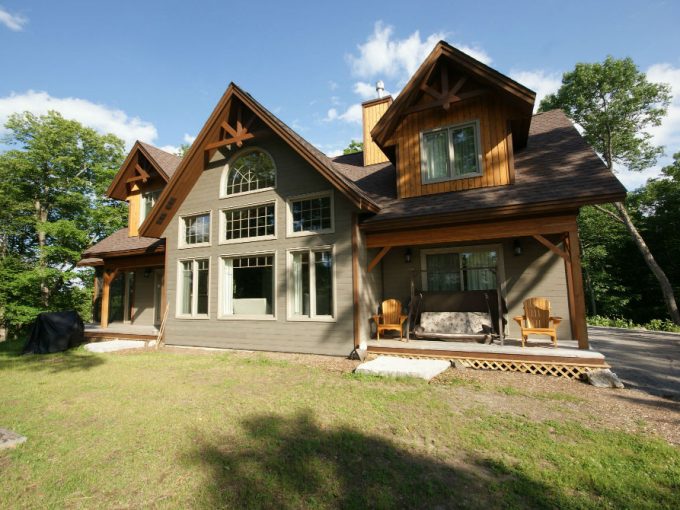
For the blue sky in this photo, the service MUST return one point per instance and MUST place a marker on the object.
(154, 70)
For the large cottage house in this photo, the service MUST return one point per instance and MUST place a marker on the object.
(256, 240)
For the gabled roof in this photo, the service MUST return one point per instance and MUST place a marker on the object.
(192, 164)
(557, 170)
(520, 94)
(120, 243)
(163, 162)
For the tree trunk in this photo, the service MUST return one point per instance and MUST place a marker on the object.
(41, 219)
(666, 287)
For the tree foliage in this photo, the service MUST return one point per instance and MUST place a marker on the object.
(354, 146)
(53, 206)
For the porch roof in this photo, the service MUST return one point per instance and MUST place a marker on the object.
(121, 244)
(557, 170)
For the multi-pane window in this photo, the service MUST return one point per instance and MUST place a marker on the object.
(248, 286)
(193, 287)
(451, 152)
(251, 171)
(196, 229)
(249, 222)
(314, 214)
(459, 270)
(148, 201)
(311, 283)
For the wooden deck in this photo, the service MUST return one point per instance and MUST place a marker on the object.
(540, 358)
(95, 332)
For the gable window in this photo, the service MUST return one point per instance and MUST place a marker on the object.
(256, 222)
(194, 277)
(459, 269)
(311, 214)
(248, 286)
(196, 230)
(148, 201)
(451, 153)
(252, 170)
(311, 284)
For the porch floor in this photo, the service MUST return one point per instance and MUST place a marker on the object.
(121, 331)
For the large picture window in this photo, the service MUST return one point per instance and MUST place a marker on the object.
(249, 223)
(196, 229)
(311, 284)
(194, 279)
(459, 269)
(250, 171)
(248, 286)
(451, 153)
(311, 214)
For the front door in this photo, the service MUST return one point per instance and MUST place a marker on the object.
(158, 296)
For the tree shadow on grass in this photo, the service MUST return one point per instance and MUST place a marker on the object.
(287, 463)
(67, 361)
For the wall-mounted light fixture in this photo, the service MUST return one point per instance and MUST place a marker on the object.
(147, 272)
(516, 247)
(407, 256)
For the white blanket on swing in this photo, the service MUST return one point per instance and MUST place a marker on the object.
(469, 323)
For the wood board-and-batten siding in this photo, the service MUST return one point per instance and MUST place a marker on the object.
(495, 138)
(294, 177)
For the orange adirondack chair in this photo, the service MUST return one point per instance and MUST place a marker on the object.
(391, 318)
(537, 320)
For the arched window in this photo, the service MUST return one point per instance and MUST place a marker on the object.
(250, 171)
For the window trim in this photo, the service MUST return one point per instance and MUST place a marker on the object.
(181, 238)
(223, 222)
(478, 143)
(497, 247)
(227, 168)
(309, 196)
(220, 287)
(290, 316)
(194, 298)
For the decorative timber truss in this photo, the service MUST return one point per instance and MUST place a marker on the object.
(229, 134)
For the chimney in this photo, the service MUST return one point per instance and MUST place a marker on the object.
(372, 110)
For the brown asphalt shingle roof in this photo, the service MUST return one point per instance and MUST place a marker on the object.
(556, 166)
(167, 161)
(120, 241)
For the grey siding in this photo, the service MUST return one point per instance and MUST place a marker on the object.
(294, 177)
(370, 289)
(537, 272)
(143, 312)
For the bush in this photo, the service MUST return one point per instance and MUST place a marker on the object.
(620, 322)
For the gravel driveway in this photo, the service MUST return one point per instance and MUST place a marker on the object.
(646, 360)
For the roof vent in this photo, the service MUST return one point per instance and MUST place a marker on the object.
(380, 88)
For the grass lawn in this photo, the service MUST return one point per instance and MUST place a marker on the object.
(246, 430)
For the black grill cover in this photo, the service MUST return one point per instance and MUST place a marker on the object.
(55, 332)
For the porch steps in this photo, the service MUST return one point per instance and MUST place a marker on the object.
(390, 366)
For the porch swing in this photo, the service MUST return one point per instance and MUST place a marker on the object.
(456, 316)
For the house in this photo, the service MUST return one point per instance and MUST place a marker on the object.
(256, 240)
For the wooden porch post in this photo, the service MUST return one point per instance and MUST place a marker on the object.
(106, 287)
(356, 308)
(577, 303)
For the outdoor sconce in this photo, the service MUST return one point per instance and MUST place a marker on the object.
(147, 272)
(517, 247)
(407, 256)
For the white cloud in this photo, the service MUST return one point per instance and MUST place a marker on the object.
(335, 153)
(172, 149)
(540, 81)
(367, 90)
(14, 22)
(352, 114)
(188, 138)
(668, 133)
(100, 117)
(332, 85)
(383, 56)
(332, 114)
(475, 52)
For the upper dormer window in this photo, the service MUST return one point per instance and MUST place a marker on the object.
(450, 153)
(249, 171)
(148, 201)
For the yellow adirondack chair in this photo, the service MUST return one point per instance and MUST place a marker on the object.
(537, 320)
(391, 318)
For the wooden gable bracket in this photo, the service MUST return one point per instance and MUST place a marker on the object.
(230, 135)
(378, 258)
(557, 251)
(142, 175)
(447, 96)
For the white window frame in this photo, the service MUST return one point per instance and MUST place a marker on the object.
(181, 242)
(227, 167)
(309, 196)
(222, 284)
(500, 267)
(451, 177)
(142, 205)
(194, 293)
(223, 223)
(290, 316)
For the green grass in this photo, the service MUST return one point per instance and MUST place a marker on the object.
(174, 430)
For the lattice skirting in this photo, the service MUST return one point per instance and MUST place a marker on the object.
(557, 369)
